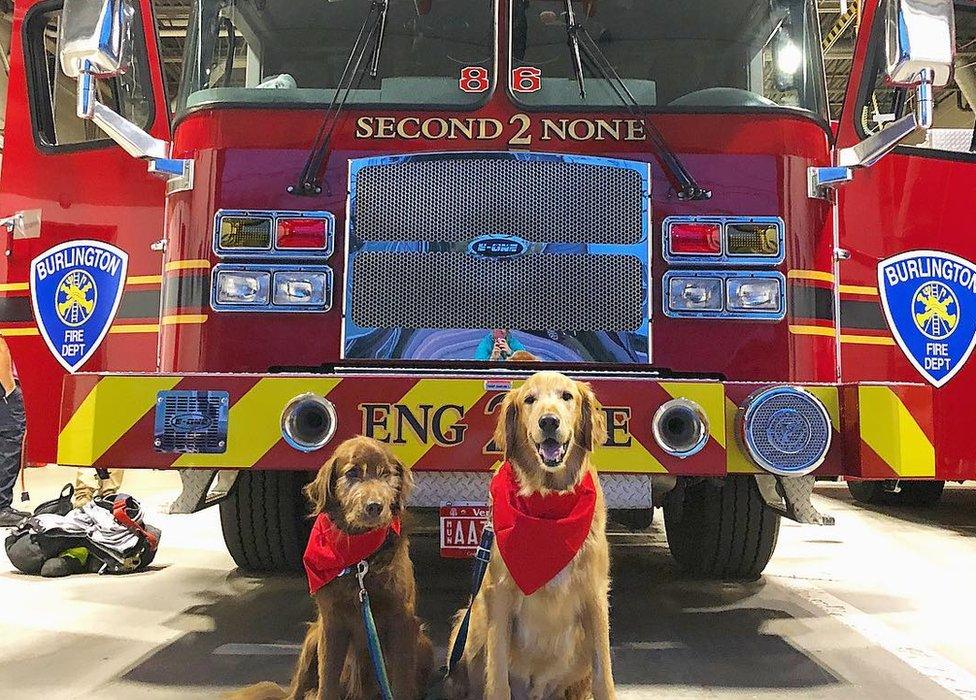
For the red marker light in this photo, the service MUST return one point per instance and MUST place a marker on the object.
(695, 238)
(310, 234)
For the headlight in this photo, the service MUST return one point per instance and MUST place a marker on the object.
(301, 289)
(243, 288)
(695, 294)
(754, 294)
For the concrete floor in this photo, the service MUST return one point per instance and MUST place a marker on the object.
(876, 607)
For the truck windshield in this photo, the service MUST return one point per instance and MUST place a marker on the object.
(685, 54)
(294, 51)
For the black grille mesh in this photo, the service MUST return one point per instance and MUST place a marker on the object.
(457, 199)
(535, 292)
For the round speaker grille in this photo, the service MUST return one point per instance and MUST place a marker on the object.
(786, 431)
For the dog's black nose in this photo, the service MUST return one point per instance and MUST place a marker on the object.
(549, 423)
(374, 509)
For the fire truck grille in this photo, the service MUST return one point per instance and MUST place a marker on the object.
(191, 422)
(569, 292)
(542, 199)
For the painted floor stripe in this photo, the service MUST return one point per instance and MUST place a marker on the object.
(257, 650)
(938, 669)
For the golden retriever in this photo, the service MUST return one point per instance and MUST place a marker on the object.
(554, 643)
(362, 488)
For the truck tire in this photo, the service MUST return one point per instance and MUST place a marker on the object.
(725, 532)
(869, 492)
(920, 494)
(265, 521)
(923, 494)
(634, 519)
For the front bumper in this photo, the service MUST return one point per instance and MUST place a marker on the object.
(437, 423)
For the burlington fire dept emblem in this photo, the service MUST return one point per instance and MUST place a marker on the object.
(929, 299)
(76, 289)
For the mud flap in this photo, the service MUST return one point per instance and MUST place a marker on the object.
(202, 488)
(790, 497)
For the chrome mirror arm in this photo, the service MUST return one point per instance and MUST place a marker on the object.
(136, 142)
(872, 149)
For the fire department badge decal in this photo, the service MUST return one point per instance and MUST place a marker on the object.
(76, 288)
(929, 299)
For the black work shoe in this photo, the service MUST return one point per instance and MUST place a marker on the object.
(11, 517)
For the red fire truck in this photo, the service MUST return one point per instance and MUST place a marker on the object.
(375, 216)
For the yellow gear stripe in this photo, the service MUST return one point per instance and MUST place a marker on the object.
(187, 265)
(254, 422)
(866, 339)
(813, 330)
(433, 392)
(810, 275)
(112, 407)
(710, 396)
(889, 428)
(855, 289)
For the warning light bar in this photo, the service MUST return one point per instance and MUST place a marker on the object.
(274, 234)
(723, 240)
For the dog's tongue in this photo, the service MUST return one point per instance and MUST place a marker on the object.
(551, 450)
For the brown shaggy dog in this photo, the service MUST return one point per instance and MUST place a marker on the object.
(554, 643)
(361, 488)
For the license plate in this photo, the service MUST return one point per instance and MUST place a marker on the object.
(461, 526)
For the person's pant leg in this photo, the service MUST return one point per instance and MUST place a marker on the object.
(113, 484)
(12, 424)
(87, 484)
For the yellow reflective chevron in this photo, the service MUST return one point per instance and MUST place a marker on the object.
(254, 422)
(433, 392)
(113, 406)
(889, 428)
(710, 396)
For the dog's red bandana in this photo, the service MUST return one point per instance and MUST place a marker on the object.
(331, 551)
(539, 535)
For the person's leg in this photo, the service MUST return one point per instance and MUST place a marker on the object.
(86, 484)
(113, 484)
(11, 445)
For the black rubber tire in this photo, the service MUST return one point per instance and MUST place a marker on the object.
(265, 521)
(635, 519)
(725, 532)
(869, 492)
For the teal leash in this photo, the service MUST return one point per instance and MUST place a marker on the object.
(372, 637)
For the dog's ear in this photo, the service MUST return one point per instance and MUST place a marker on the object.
(319, 492)
(406, 482)
(506, 430)
(592, 420)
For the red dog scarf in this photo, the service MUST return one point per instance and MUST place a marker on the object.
(539, 535)
(330, 551)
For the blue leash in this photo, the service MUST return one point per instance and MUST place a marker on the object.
(481, 559)
(372, 637)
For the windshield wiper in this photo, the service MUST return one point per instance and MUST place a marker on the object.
(374, 25)
(688, 188)
(572, 35)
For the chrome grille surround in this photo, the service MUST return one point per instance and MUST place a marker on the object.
(445, 250)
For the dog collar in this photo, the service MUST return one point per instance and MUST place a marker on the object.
(539, 535)
(331, 553)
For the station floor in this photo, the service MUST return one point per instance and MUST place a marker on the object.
(879, 606)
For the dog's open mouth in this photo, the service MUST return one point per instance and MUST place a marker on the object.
(552, 452)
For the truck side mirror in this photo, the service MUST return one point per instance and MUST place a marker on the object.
(920, 36)
(920, 45)
(95, 42)
(95, 37)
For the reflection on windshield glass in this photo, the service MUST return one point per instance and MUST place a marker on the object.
(295, 51)
(692, 53)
